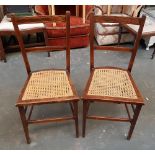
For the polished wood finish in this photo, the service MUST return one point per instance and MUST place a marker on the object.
(108, 118)
(44, 48)
(25, 124)
(23, 105)
(135, 104)
(113, 19)
(134, 120)
(39, 19)
(128, 112)
(48, 120)
(113, 48)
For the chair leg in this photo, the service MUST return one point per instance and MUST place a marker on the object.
(25, 124)
(153, 53)
(119, 35)
(28, 38)
(88, 105)
(84, 118)
(49, 54)
(134, 120)
(5, 59)
(2, 51)
(71, 106)
(75, 105)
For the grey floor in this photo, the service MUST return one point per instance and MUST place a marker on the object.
(99, 134)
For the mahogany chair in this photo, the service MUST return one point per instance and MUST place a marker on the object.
(45, 86)
(112, 84)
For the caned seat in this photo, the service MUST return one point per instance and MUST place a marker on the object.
(113, 83)
(47, 85)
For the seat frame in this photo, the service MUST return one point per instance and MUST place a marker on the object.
(23, 106)
(136, 104)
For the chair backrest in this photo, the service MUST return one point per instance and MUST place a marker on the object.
(122, 21)
(17, 21)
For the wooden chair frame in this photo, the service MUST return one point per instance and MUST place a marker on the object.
(24, 105)
(136, 104)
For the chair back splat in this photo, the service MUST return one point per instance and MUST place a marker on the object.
(17, 21)
(122, 21)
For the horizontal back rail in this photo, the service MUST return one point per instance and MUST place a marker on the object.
(39, 19)
(44, 48)
(114, 48)
(114, 19)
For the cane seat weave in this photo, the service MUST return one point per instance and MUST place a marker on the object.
(111, 83)
(47, 84)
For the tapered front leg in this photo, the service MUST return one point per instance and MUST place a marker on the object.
(84, 117)
(153, 53)
(134, 120)
(25, 124)
(49, 54)
(75, 105)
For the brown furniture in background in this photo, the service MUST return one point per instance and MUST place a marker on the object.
(79, 25)
(112, 84)
(45, 86)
